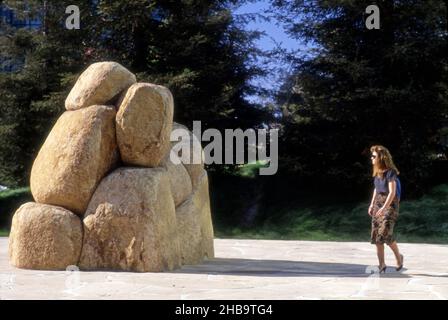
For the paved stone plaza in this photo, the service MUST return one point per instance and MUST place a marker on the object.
(251, 269)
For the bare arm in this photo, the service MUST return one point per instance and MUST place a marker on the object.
(373, 197)
(370, 211)
(391, 195)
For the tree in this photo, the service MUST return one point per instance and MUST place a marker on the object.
(194, 47)
(43, 60)
(364, 87)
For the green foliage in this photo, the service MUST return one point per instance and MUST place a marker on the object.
(195, 48)
(33, 95)
(10, 201)
(364, 87)
(428, 216)
(421, 220)
(250, 170)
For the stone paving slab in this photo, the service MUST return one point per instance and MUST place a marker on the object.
(250, 270)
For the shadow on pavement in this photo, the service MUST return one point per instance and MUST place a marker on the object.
(284, 268)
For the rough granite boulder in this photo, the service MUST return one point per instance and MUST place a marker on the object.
(150, 214)
(194, 224)
(185, 143)
(189, 230)
(201, 199)
(144, 122)
(180, 181)
(44, 237)
(100, 83)
(130, 223)
(78, 152)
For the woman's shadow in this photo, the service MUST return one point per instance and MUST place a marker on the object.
(285, 268)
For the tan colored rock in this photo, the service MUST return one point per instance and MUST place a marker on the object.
(194, 224)
(144, 122)
(189, 230)
(195, 171)
(201, 199)
(180, 181)
(185, 143)
(44, 237)
(100, 83)
(78, 152)
(130, 223)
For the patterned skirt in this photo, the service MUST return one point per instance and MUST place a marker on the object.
(383, 226)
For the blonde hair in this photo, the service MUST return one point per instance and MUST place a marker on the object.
(384, 161)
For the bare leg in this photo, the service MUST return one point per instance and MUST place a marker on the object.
(380, 254)
(394, 248)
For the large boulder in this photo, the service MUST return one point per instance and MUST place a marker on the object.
(194, 224)
(184, 148)
(189, 230)
(44, 237)
(130, 223)
(100, 83)
(78, 152)
(201, 200)
(180, 181)
(144, 122)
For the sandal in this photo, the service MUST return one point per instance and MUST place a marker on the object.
(383, 269)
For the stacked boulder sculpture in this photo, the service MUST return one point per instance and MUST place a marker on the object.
(107, 194)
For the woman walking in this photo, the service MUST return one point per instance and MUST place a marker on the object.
(384, 205)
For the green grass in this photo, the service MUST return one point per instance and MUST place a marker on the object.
(251, 170)
(10, 201)
(13, 193)
(423, 220)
